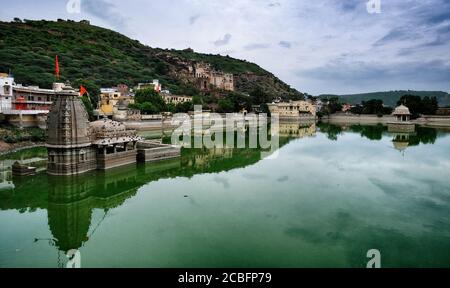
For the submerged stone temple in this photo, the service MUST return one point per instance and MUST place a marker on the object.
(76, 145)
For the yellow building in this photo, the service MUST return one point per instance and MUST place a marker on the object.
(109, 97)
(293, 109)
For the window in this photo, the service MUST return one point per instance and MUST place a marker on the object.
(52, 158)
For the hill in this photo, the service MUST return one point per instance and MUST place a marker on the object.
(106, 58)
(391, 97)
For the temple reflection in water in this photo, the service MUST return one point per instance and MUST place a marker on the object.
(71, 200)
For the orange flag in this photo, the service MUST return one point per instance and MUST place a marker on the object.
(57, 67)
(82, 90)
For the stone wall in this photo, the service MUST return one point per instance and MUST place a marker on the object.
(158, 153)
(117, 159)
(433, 120)
(359, 119)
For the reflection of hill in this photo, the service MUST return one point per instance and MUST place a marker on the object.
(71, 200)
(423, 135)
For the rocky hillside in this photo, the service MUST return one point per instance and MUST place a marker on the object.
(99, 57)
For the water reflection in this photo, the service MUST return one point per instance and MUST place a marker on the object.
(70, 201)
(401, 141)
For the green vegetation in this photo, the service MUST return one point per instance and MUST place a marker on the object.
(150, 102)
(418, 105)
(390, 98)
(373, 106)
(332, 107)
(12, 134)
(96, 57)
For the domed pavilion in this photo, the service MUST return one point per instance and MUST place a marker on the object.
(402, 113)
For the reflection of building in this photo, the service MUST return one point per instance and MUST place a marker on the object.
(402, 123)
(297, 130)
(401, 141)
(293, 109)
(70, 201)
(207, 157)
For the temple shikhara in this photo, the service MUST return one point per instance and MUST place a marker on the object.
(76, 145)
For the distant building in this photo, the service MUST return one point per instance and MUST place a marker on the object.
(208, 77)
(442, 111)
(346, 107)
(292, 109)
(26, 106)
(123, 89)
(112, 100)
(6, 92)
(109, 97)
(175, 99)
(402, 123)
(154, 85)
(402, 113)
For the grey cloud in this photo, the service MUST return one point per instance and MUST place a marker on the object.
(256, 46)
(397, 34)
(105, 11)
(224, 41)
(349, 5)
(432, 72)
(193, 19)
(223, 181)
(285, 44)
(275, 4)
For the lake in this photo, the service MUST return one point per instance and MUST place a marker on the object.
(332, 194)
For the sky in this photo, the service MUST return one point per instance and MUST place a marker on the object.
(317, 47)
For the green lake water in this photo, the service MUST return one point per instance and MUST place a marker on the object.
(331, 194)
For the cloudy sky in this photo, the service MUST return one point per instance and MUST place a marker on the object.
(320, 46)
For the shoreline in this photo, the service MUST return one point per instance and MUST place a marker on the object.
(364, 119)
(7, 148)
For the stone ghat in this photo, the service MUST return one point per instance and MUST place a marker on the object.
(150, 151)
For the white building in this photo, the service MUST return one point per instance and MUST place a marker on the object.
(155, 85)
(6, 92)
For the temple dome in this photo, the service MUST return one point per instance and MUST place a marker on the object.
(68, 122)
(401, 110)
(107, 126)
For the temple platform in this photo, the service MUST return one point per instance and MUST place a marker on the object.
(149, 151)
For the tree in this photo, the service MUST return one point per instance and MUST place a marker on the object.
(414, 103)
(225, 106)
(358, 109)
(149, 101)
(259, 96)
(92, 88)
(184, 107)
(418, 106)
(333, 106)
(88, 105)
(429, 105)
